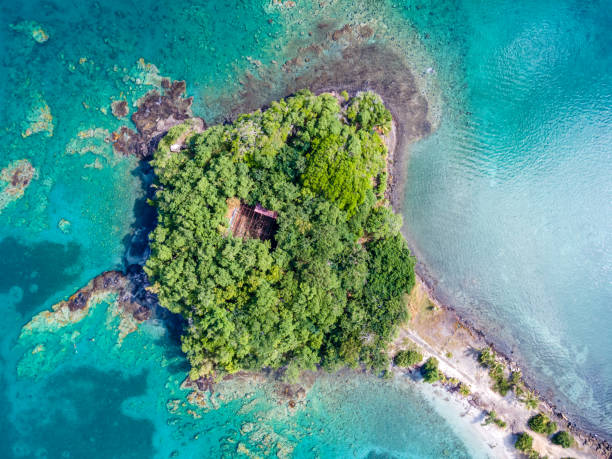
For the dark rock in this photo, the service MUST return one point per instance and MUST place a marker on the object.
(337, 34)
(156, 114)
(79, 300)
(120, 108)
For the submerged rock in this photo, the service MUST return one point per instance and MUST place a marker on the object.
(18, 175)
(33, 29)
(134, 302)
(156, 114)
(64, 226)
(39, 119)
(120, 109)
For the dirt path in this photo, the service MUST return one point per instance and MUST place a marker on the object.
(439, 333)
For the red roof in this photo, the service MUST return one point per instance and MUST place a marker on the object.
(268, 213)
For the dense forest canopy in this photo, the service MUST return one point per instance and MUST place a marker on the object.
(328, 289)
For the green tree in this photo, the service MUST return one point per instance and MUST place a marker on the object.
(430, 370)
(563, 439)
(540, 423)
(407, 358)
(524, 442)
(319, 292)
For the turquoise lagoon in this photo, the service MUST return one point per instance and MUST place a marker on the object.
(505, 206)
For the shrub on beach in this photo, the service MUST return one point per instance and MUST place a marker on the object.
(540, 423)
(488, 359)
(562, 438)
(529, 398)
(493, 419)
(524, 442)
(430, 371)
(407, 358)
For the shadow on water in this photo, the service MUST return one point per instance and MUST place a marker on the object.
(378, 455)
(136, 244)
(136, 253)
(37, 270)
(79, 414)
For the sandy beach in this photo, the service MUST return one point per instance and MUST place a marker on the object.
(440, 333)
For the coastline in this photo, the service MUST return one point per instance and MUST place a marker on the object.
(589, 444)
(407, 127)
(440, 332)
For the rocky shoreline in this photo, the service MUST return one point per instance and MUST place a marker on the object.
(134, 302)
(157, 113)
(589, 442)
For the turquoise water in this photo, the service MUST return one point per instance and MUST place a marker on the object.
(508, 203)
(89, 394)
(77, 392)
(484, 202)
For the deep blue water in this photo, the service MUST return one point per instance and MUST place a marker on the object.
(507, 205)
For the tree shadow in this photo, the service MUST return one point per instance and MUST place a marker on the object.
(136, 243)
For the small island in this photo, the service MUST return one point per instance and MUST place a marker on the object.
(275, 239)
(276, 251)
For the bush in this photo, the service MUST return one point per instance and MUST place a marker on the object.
(529, 398)
(540, 423)
(486, 357)
(502, 385)
(430, 371)
(407, 358)
(562, 438)
(493, 419)
(464, 389)
(453, 381)
(524, 442)
(500, 423)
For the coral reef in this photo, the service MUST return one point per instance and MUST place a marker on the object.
(134, 303)
(95, 141)
(39, 119)
(18, 175)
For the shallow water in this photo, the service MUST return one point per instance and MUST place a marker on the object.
(75, 392)
(84, 395)
(508, 203)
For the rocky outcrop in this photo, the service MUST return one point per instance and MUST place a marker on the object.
(135, 303)
(120, 109)
(156, 114)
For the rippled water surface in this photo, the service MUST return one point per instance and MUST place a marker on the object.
(509, 203)
(77, 390)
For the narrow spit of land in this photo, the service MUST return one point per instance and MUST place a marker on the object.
(439, 332)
